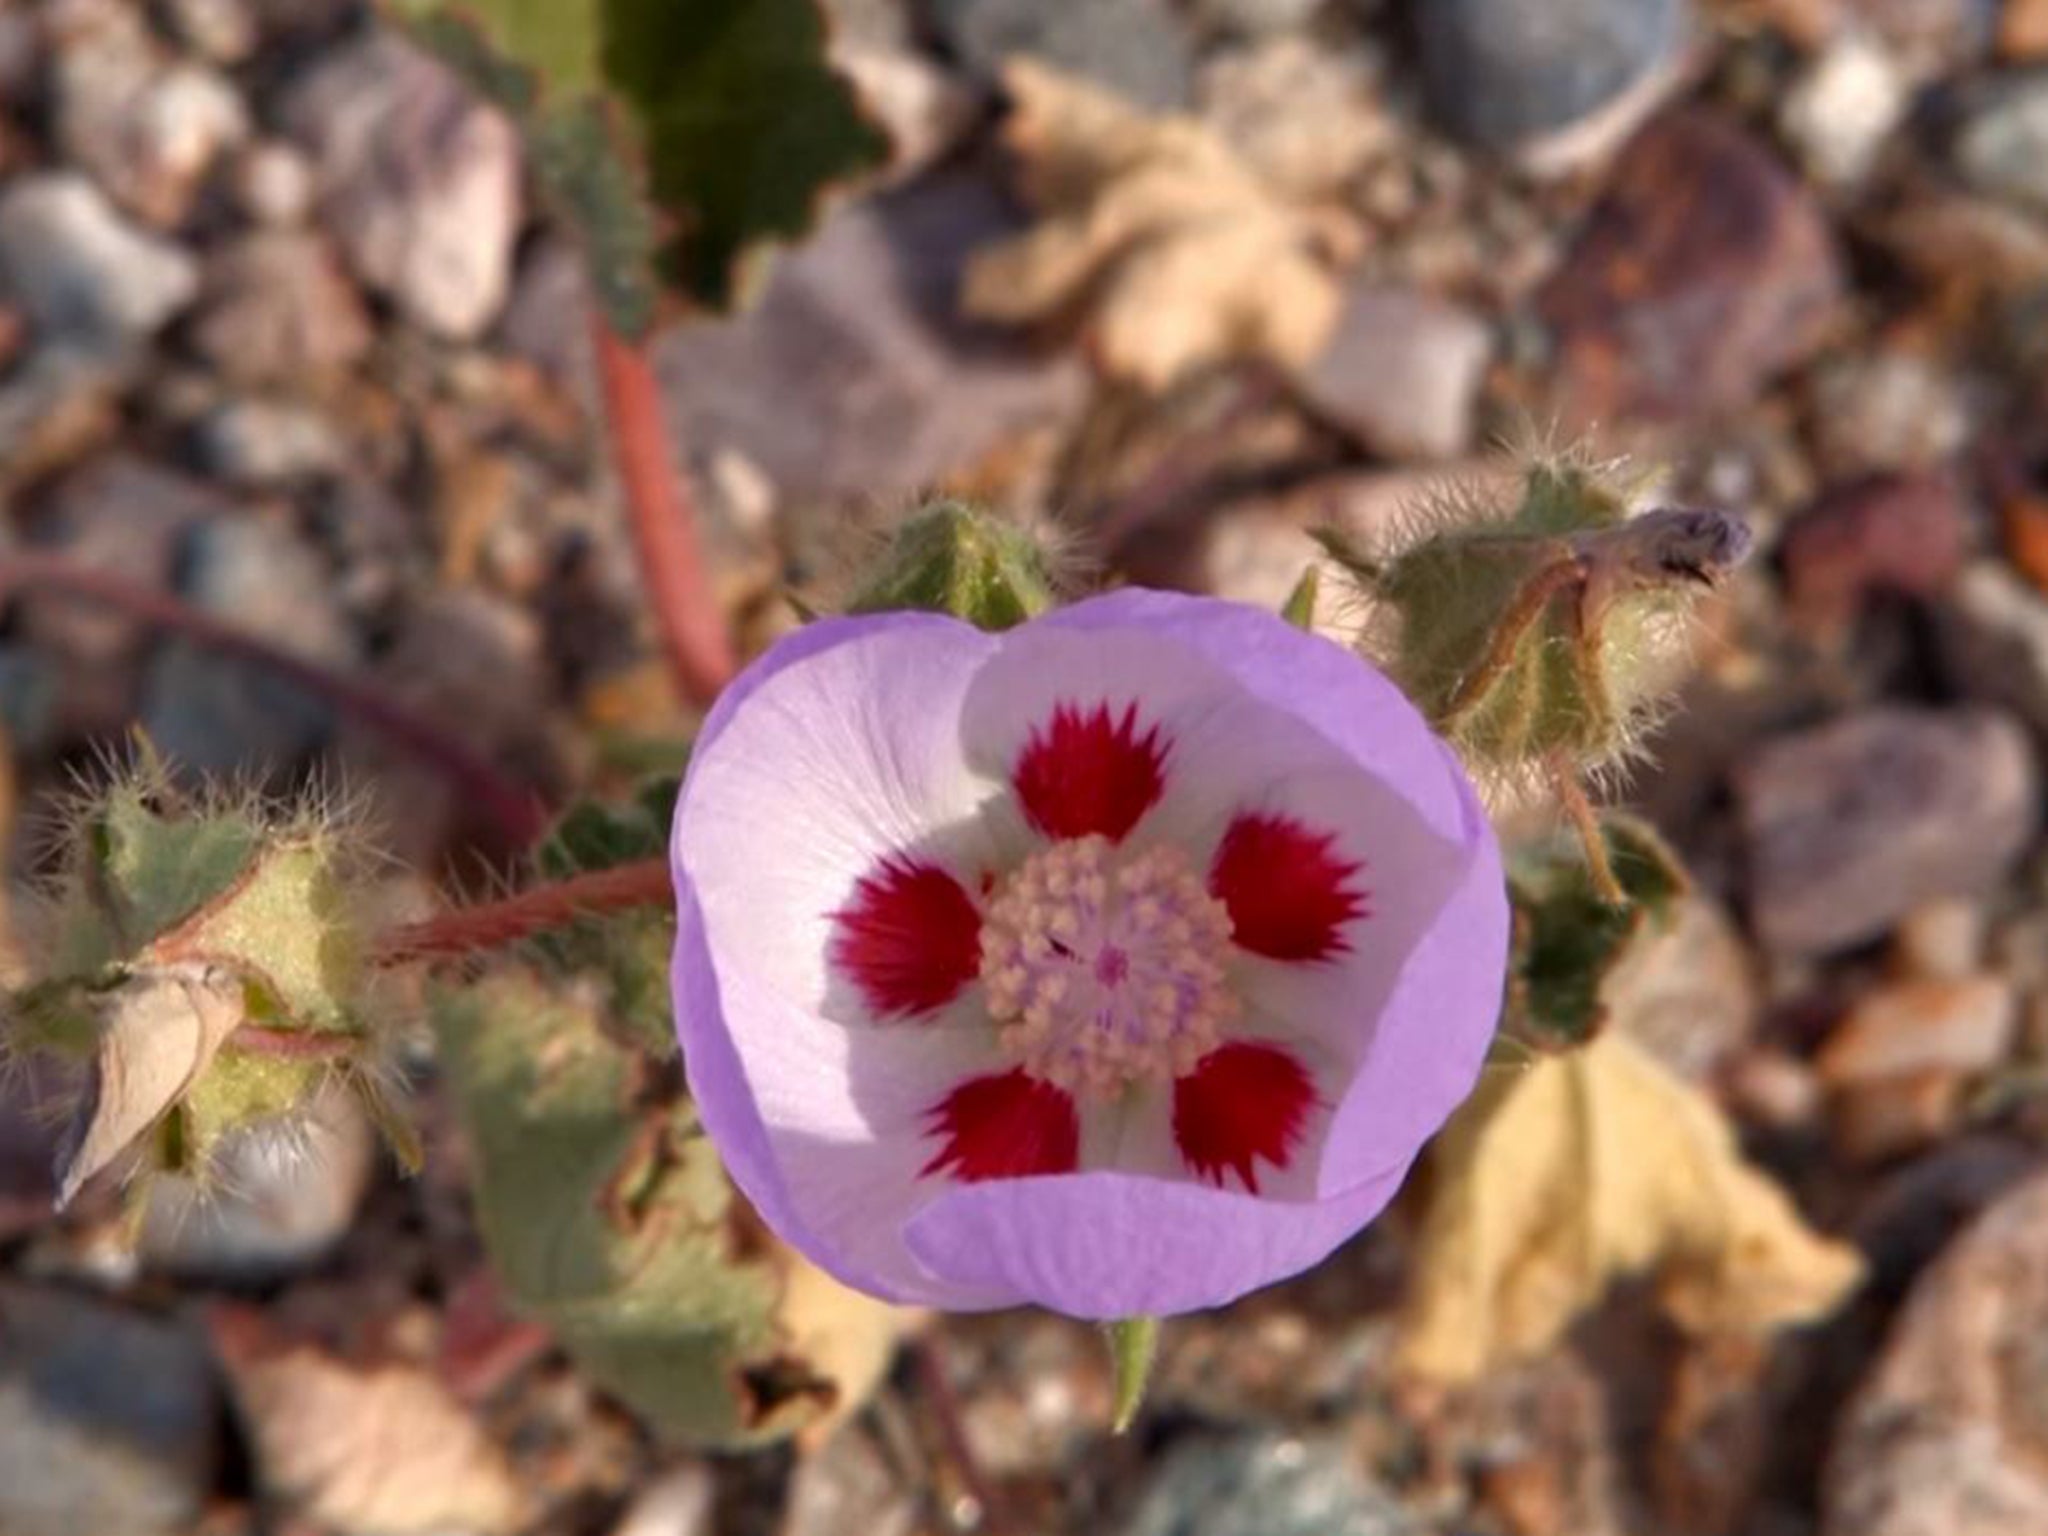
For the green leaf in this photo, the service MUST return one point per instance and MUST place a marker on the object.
(1568, 940)
(957, 559)
(1133, 1348)
(1300, 607)
(609, 1218)
(678, 138)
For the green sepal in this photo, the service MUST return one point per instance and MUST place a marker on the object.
(960, 560)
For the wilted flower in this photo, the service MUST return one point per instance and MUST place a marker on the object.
(1120, 963)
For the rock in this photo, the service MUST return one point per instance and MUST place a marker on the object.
(1933, 37)
(1515, 77)
(1307, 117)
(108, 1419)
(681, 1502)
(1265, 1485)
(213, 716)
(1941, 940)
(1689, 994)
(2023, 30)
(419, 180)
(82, 272)
(2002, 146)
(1843, 107)
(21, 51)
(1887, 410)
(924, 110)
(260, 441)
(852, 377)
(1851, 825)
(1994, 641)
(1876, 1121)
(280, 1197)
(223, 31)
(365, 1450)
(1963, 1027)
(547, 321)
(1705, 270)
(279, 309)
(1401, 373)
(1902, 534)
(273, 183)
(147, 127)
(1137, 48)
(1256, 18)
(1948, 1435)
(849, 1484)
(1774, 1088)
(1905, 1221)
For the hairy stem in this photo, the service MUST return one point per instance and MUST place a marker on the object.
(1587, 824)
(494, 924)
(516, 810)
(693, 635)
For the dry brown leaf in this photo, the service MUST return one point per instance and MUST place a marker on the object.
(159, 1031)
(1587, 1167)
(1179, 253)
(372, 1451)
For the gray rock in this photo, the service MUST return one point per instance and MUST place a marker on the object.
(1402, 372)
(224, 31)
(108, 1420)
(420, 181)
(146, 125)
(268, 442)
(1945, 1437)
(1506, 74)
(853, 377)
(1843, 107)
(81, 271)
(212, 715)
(21, 50)
(273, 183)
(2002, 146)
(1265, 1485)
(283, 1194)
(1851, 825)
(279, 309)
(1138, 48)
(1994, 641)
(1256, 18)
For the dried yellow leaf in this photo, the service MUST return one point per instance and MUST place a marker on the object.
(1587, 1167)
(1176, 251)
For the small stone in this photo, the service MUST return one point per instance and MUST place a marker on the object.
(1876, 1121)
(924, 110)
(420, 181)
(849, 1484)
(1965, 1027)
(1943, 1437)
(2023, 30)
(214, 717)
(21, 50)
(1689, 994)
(1844, 106)
(1994, 640)
(1401, 373)
(108, 1419)
(280, 1197)
(262, 442)
(1704, 271)
(1307, 117)
(1774, 1088)
(81, 271)
(1265, 1485)
(1256, 18)
(1902, 534)
(1515, 77)
(853, 376)
(681, 1502)
(1137, 48)
(279, 310)
(2002, 147)
(274, 183)
(1851, 825)
(224, 31)
(1940, 940)
(1887, 410)
(147, 127)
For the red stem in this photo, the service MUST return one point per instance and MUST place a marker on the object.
(700, 653)
(515, 809)
(490, 925)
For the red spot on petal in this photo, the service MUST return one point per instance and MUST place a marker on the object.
(1288, 891)
(1005, 1127)
(1090, 773)
(1243, 1103)
(910, 939)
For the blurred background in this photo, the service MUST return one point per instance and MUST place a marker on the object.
(286, 336)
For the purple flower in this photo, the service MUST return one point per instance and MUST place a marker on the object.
(1120, 963)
